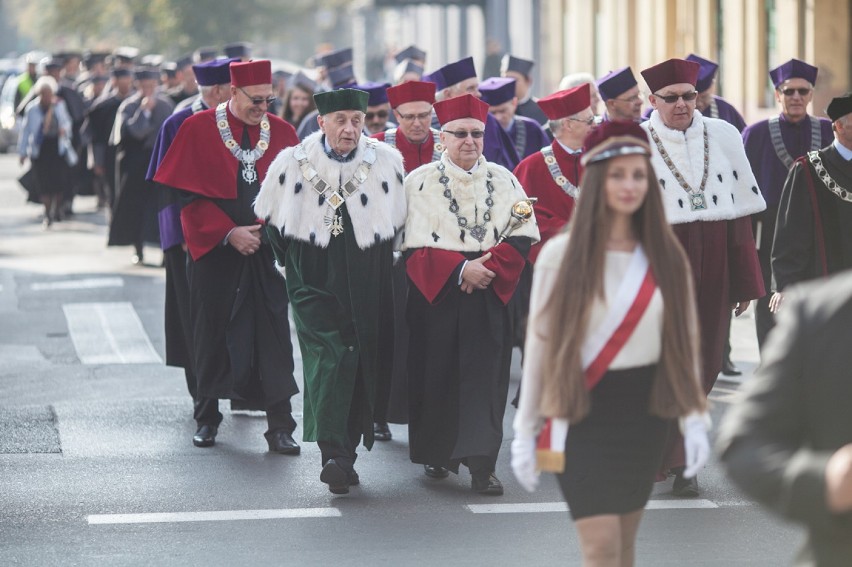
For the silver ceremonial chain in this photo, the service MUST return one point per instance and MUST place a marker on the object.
(338, 196)
(478, 231)
(247, 157)
(827, 180)
(697, 201)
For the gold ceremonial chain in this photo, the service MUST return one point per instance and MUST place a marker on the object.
(697, 201)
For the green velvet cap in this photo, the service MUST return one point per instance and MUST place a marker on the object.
(341, 99)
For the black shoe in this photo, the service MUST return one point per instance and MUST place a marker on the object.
(381, 431)
(354, 479)
(337, 479)
(281, 441)
(730, 369)
(205, 436)
(489, 485)
(685, 487)
(435, 471)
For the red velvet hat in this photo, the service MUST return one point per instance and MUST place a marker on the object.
(251, 73)
(567, 102)
(615, 138)
(412, 91)
(465, 106)
(671, 72)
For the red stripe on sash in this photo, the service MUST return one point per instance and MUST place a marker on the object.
(599, 366)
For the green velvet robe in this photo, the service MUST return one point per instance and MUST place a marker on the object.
(341, 300)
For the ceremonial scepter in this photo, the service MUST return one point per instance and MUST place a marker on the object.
(521, 213)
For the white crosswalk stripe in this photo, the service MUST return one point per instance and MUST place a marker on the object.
(109, 333)
(213, 516)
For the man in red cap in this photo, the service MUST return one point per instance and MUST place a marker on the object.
(709, 194)
(463, 261)
(552, 175)
(238, 304)
(414, 138)
(334, 205)
(419, 144)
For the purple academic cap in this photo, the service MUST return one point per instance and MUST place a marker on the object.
(616, 83)
(437, 78)
(378, 92)
(497, 90)
(793, 69)
(705, 74)
(458, 71)
(214, 72)
(517, 64)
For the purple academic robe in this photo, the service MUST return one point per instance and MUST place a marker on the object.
(527, 136)
(171, 233)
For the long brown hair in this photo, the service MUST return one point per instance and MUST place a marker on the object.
(580, 281)
(287, 112)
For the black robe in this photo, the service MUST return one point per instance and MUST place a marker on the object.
(460, 352)
(813, 233)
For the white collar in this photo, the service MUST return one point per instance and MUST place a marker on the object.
(845, 153)
(468, 171)
(569, 150)
(328, 148)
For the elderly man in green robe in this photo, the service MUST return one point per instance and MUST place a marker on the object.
(333, 206)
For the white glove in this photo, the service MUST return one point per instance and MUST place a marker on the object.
(523, 462)
(695, 442)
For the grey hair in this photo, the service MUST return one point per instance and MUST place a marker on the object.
(46, 81)
(575, 80)
(555, 126)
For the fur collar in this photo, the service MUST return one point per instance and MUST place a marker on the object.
(431, 224)
(290, 203)
(731, 191)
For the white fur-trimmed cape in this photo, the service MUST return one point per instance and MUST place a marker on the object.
(731, 191)
(377, 209)
(430, 224)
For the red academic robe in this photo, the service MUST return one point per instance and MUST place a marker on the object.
(725, 271)
(413, 155)
(199, 162)
(554, 207)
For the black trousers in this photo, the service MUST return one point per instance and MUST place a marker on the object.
(278, 415)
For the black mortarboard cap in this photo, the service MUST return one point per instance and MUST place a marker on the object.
(240, 50)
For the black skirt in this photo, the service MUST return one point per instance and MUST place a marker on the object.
(612, 456)
(50, 169)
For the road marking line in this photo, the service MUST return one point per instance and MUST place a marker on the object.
(212, 516)
(87, 283)
(109, 333)
(545, 507)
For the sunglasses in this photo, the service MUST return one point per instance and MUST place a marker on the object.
(257, 101)
(381, 114)
(671, 99)
(412, 117)
(802, 91)
(462, 134)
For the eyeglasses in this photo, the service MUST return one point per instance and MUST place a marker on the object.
(412, 117)
(587, 121)
(462, 134)
(257, 101)
(802, 91)
(381, 114)
(671, 99)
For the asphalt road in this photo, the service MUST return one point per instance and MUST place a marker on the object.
(97, 466)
